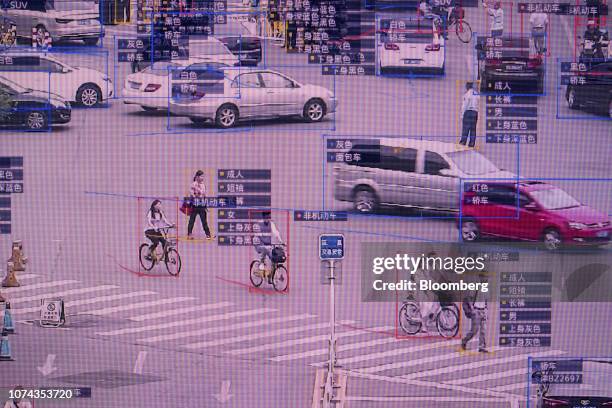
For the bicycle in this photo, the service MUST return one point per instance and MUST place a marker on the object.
(463, 30)
(276, 274)
(446, 317)
(169, 255)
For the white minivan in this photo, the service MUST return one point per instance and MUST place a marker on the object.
(57, 19)
(406, 172)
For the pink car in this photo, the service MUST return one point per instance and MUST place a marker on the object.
(541, 212)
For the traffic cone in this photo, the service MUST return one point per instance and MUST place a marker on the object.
(5, 347)
(8, 319)
(10, 281)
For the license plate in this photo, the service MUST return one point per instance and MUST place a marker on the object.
(83, 22)
(514, 67)
(602, 234)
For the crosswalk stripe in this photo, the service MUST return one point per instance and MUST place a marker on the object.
(254, 336)
(324, 351)
(182, 310)
(90, 301)
(511, 387)
(394, 352)
(480, 364)
(491, 376)
(27, 276)
(301, 341)
(409, 363)
(42, 285)
(78, 291)
(213, 318)
(110, 310)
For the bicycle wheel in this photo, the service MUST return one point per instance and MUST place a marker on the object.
(255, 275)
(410, 318)
(447, 322)
(173, 262)
(146, 261)
(280, 279)
(463, 31)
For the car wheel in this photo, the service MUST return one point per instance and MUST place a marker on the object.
(89, 95)
(91, 41)
(571, 99)
(610, 108)
(226, 116)
(470, 231)
(314, 110)
(40, 35)
(551, 239)
(198, 121)
(365, 200)
(36, 120)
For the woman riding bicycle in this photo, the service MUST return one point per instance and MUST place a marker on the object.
(156, 221)
(262, 249)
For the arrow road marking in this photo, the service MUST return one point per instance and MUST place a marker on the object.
(224, 395)
(48, 368)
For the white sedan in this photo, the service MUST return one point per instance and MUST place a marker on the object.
(255, 93)
(42, 72)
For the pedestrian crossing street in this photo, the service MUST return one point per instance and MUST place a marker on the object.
(225, 328)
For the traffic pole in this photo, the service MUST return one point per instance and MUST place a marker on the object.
(329, 383)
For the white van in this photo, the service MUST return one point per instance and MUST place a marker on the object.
(410, 173)
(57, 19)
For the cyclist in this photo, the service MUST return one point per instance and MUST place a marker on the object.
(264, 250)
(156, 220)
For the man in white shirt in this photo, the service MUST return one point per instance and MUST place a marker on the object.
(469, 114)
(496, 15)
(539, 25)
(479, 321)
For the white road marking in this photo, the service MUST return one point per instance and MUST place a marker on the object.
(492, 376)
(425, 399)
(301, 341)
(185, 322)
(110, 310)
(480, 364)
(179, 311)
(64, 293)
(410, 362)
(255, 336)
(9, 291)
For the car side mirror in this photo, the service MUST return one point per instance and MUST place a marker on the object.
(531, 207)
(448, 173)
(66, 70)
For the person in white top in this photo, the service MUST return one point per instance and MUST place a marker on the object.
(478, 319)
(469, 114)
(262, 249)
(496, 15)
(156, 220)
(197, 193)
(539, 25)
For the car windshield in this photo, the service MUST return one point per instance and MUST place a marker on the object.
(12, 85)
(471, 162)
(72, 5)
(160, 68)
(554, 199)
(209, 48)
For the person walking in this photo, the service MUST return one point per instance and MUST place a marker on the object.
(539, 26)
(197, 194)
(469, 115)
(496, 18)
(476, 311)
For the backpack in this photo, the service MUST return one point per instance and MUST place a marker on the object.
(468, 309)
(278, 255)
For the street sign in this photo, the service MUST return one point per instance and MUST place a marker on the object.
(52, 313)
(331, 247)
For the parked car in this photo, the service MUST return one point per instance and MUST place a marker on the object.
(150, 88)
(254, 93)
(213, 50)
(42, 71)
(57, 19)
(403, 172)
(35, 110)
(596, 91)
(540, 212)
(593, 391)
(410, 45)
(511, 60)
(246, 48)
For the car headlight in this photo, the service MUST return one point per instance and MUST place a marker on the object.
(576, 225)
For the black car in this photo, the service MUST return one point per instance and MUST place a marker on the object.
(594, 92)
(246, 48)
(32, 109)
(509, 65)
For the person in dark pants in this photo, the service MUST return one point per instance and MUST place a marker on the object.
(478, 316)
(197, 193)
(156, 220)
(469, 114)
